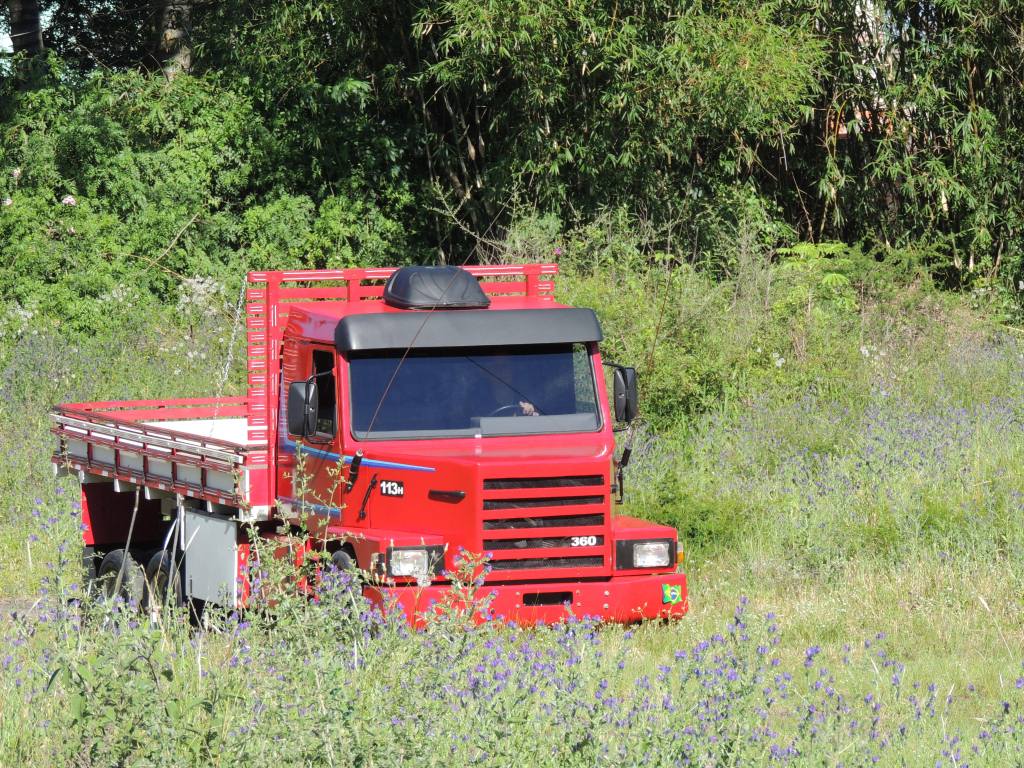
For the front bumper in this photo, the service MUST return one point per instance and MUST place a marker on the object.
(621, 599)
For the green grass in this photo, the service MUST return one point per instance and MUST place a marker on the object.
(952, 621)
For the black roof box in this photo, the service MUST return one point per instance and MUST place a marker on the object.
(430, 287)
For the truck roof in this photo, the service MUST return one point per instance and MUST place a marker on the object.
(318, 321)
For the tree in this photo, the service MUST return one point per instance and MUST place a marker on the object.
(113, 35)
(173, 38)
(26, 31)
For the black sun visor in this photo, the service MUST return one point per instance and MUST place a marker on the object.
(466, 328)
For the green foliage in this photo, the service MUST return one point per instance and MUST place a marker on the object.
(815, 280)
(291, 231)
(102, 178)
(893, 125)
(324, 74)
(618, 101)
(99, 685)
(126, 182)
(487, 107)
(700, 343)
(891, 438)
(919, 121)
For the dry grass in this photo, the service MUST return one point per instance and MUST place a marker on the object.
(954, 623)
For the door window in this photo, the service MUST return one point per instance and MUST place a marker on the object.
(327, 410)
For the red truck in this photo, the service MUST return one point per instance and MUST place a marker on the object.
(402, 414)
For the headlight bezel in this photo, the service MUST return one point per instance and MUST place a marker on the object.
(433, 559)
(625, 554)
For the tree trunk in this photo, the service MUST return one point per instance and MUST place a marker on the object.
(173, 38)
(26, 31)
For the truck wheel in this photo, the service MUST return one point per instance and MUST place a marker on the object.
(120, 576)
(163, 582)
(343, 561)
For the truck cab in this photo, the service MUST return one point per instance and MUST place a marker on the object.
(446, 410)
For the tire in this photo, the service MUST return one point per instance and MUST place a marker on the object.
(163, 582)
(343, 561)
(120, 576)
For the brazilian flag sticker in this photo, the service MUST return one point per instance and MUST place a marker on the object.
(671, 593)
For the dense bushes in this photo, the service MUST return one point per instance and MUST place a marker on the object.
(892, 121)
(124, 183)
(338, 130)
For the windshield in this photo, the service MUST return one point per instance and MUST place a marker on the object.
(473, 391)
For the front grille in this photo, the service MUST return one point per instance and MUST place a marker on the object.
(555, 521)
(551, 543)
(545, 504)
(559, 501)
(547, 562)
(510, 483)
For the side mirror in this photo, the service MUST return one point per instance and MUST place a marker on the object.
(625, 395)
(303, 406)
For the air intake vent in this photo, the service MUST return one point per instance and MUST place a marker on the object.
(555, 521)
(551, 526)
(559, 541)
(547, 562)
(511, 483)
(547, 598)
(560, 501)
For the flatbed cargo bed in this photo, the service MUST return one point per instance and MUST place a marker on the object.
(197, 448)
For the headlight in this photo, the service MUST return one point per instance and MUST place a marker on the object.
(650, 554)
(640, 553)
(409, 562)
(415, 561)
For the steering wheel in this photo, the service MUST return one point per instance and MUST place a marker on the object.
(510, 407)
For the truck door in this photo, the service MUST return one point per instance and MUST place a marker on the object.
(310, 482)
